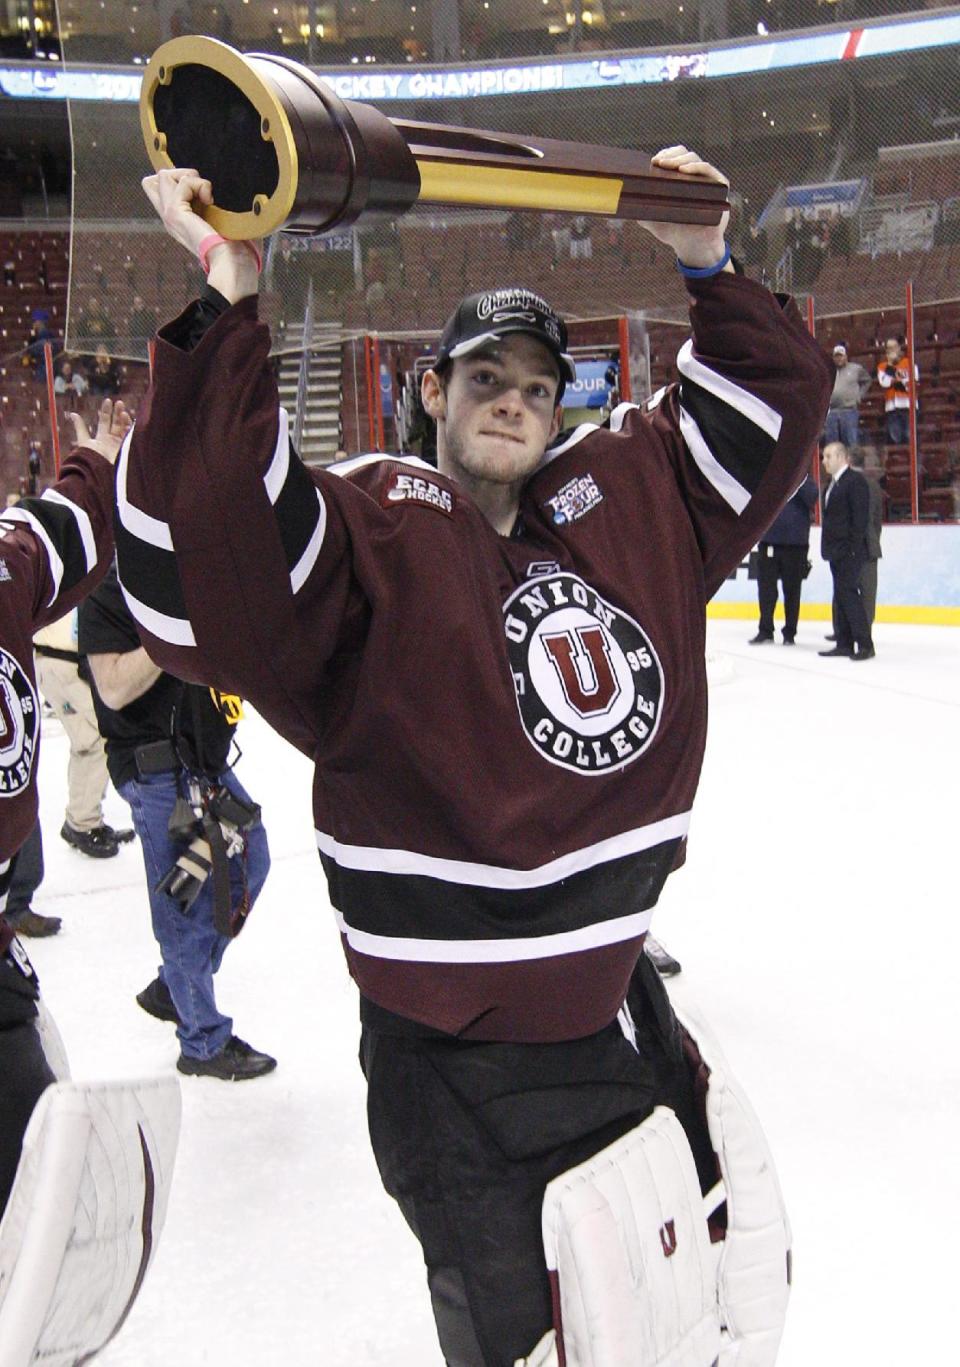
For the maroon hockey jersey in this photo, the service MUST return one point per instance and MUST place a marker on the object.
(53, 551)
(507, 731)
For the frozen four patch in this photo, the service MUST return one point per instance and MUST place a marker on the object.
(576, 499)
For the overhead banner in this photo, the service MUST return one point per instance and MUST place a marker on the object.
(122, 85)
(589, 389)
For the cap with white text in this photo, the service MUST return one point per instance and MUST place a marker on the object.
(492, 314)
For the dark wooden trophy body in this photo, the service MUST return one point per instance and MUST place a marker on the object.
(284, 153)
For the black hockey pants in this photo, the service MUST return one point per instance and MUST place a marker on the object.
(467, 1136)
(24, 1071)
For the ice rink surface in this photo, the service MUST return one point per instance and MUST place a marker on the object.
(817, 923)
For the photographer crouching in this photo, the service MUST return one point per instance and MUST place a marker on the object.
(204, 847)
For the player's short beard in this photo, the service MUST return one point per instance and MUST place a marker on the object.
(456, 454)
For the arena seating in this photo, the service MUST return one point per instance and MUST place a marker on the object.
(425, 272)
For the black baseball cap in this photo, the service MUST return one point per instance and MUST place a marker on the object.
(492, 314)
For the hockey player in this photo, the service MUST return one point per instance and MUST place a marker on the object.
(53, 550)
(498, 669)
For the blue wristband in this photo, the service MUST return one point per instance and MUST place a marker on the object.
(704, 273)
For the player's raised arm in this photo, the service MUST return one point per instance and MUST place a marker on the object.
(223, 536)
(753, 391)
(63, 540)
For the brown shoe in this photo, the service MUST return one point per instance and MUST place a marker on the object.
(37, 927)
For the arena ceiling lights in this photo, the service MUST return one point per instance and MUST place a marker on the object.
(122, 85)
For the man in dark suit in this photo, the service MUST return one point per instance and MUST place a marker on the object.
(782, 557)
(868, 575)
(843, 542)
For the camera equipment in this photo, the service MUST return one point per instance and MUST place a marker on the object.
(210, 822)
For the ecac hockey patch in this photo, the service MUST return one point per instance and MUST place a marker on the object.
(589, 684)
(577, 498)
(402, 488)
(19, 726)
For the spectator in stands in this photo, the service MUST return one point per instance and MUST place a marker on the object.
(515, 233)
(839, 242)
(756, 246)
(94, 325)
(104, 374)
(783, 558)
(33, 355)
(560, 234)
(33, 468)
(868, 575)
(849, 388)
(376, 293)
(611, 378)
(142, 323)
(615, 240)
(581, 242)
(9, 271)
(69, 381)
(893, 374)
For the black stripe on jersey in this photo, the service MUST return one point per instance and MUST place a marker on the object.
(60, 524)
(411, 906)
(297, 511)
(149, 572)
(739, 445)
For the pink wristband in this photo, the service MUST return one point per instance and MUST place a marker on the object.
(213, 240)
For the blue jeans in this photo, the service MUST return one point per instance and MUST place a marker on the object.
(190, 946)
(898, 426)
(842, 424)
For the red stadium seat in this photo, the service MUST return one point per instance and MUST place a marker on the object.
(938, 505)
(936, 466)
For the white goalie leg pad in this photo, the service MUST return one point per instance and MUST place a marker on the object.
(754, 1272)
(84, 1216)
(629, 1255)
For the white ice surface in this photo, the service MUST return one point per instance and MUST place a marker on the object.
(817, 923)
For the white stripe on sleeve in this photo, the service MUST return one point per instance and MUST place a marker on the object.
(301, 570)
(84, 525)
(752, 407)
(276, 475)
(729, 489)
(42, 535)
(140, 524)
(176, 630)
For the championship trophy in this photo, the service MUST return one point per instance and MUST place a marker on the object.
(284, 153)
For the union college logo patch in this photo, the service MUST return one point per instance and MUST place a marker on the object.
(589, 684)
(19, 726)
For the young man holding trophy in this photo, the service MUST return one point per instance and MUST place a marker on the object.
(498, 669)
